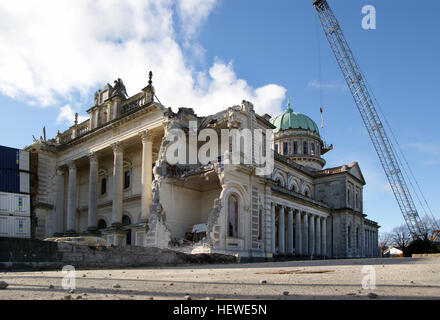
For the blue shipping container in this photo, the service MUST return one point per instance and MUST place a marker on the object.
(9, 181)
(9, 158)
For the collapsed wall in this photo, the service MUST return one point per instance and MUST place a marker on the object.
(171, 184)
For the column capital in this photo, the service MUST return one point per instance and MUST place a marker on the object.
(93, 157)
(71, 165)
(117, 147)
(146, 136)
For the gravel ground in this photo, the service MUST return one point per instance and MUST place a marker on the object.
(401, 278)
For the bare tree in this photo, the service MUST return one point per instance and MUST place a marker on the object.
(385, 241)
(431, 224)
(401, 238)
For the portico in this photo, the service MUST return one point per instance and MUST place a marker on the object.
(298, 232)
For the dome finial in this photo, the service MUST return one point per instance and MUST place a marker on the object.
(289, 109)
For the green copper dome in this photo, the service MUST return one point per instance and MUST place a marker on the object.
(290, 120)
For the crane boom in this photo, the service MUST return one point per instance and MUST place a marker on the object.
(365, 104)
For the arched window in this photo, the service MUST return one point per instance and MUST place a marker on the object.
(276, 148)
(295, 147)
(102, 224)
(307, 194)
(233, 216)
(312, 150)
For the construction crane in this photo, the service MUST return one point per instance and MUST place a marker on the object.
(363, 98)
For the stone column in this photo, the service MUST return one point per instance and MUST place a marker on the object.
(59, 205)
(93, 195)
(146, 182)
(318, 236)
(274, 250)
(147, 173)
(281, 232)
(71, 200)
(118, 184)
(306, 234)
(298, 235)
(324, 237)
(115, 235)
(290, 231)
(312, 236)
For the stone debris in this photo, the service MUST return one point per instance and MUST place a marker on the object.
(68, 297)
(372, 295)
(171, 284)
(79, 298)
(51, 286)
(72, 291)
(84, 276)
(285, 293)
(187, 297)
(116, 286)
(3, 285)
(263, 281)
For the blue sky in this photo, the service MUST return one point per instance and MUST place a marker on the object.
(219, 52)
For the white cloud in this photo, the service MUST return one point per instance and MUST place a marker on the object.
(67, 116)
(51, 50)
(330, 86)
(432, 148)
(193, 12)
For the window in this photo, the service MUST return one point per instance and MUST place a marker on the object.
(233, 216)
(305, 151)
(307, 194)
(276, 148)
(126, 221)
(102, 224)
(103, 186)
(260, 224)
(349, 196)
(312, 150)
(349, 237)
(295, 147)
(126, 179)
(285, 148)
(357, 238)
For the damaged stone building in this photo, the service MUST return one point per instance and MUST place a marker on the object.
(108, 176)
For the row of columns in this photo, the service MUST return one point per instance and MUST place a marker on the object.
(371, 243)
(117, 194)
(310, 237)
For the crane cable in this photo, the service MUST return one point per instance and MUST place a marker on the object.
(318, 41)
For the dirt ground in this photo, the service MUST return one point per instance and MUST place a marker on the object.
(401, 278)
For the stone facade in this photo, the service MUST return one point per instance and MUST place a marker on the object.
(108, 176)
